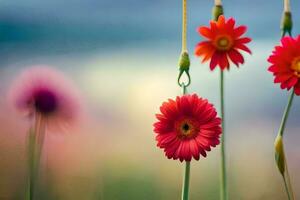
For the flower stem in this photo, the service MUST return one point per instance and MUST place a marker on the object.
(286, 113)
(223, 193)
(286, 178)
(186, 176)
(36, 138)
(186, 181)
(290, 192)
(184, 89)
(31, 161)
(286, 188)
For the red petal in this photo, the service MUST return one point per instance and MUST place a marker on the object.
(223, 61)
(169, 109)
(202, 142)
(205, 32)
(287, 41)
(243, 40)
(184, 105)
(236, 57)
(297, 89)
(282, 77)
(194, 149)
(162, 128)
(164, 140)
(221, 22)
(171, 149)
(208, 55)
(243, 47)
(183, 151)
(292, 82)
(211, 124)
(213, 27)
(203, 48)
(230, 23)
(214, 60)
(239, 31)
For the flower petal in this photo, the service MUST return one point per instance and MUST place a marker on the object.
(205, 32)
(214, 60)
(243, 47)
(239, 31)
(236, 57)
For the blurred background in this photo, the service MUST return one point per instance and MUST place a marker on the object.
(123, 57)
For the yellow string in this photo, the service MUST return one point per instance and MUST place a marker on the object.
(287, 7)
(184, 25)
(218, 2)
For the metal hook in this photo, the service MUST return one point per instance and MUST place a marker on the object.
(181, 83)
(184, 88)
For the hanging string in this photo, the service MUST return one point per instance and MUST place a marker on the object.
(184, 25)
(184, 60)
(218, 2)
(287, 7)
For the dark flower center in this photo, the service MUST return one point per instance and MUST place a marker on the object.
(187, 128)
(45, 102)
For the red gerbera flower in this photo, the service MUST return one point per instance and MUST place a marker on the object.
(285, 60)
(224, 41)
(187, 127)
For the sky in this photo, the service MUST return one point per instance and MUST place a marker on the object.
(81, 26)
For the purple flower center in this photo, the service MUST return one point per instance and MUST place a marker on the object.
(45, 102)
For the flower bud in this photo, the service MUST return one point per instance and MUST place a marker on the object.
(217, 11)
(184, 66)
(279, 154)
(184, 61)
(286, 23)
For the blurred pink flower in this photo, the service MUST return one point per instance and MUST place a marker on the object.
(45, 91)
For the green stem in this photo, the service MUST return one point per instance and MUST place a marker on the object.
(36, 139)
(223, 193)
(184, 90)
(290, 192)
(286, 188)
(186, 181)
(186, 177)
(31, 161)
(286, 179)
(286, 113)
